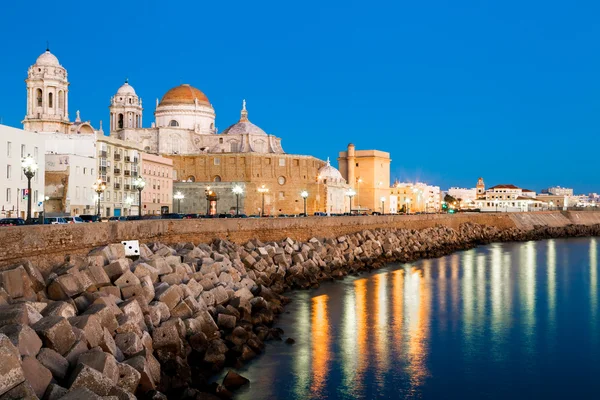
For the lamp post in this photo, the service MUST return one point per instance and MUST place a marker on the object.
(350, 193)
(29, 168)
(407, 201)
(382, 205)
(178, 196)
(46, 198)
(262, 190)
(304, 195)
(551, 205)
(129, 202)
(99, 188)
(139, 184)
(237, 190)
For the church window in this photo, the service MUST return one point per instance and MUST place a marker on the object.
(61, 100)
(281, 195)
(39, 97)
(282, 162)
(221, 140)
(281, 180)
(191, 178)
(173, 123)
(297, 163)
(50, 100)
(212, 126)
(357, 164)
(130, 100)
(217, 178)
(217, 161)
(234, 147)
(120, 123)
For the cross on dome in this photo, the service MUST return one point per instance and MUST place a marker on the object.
(244, 113)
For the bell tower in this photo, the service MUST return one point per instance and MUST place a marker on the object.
(480, 188)
(47, 96)
(125, 109)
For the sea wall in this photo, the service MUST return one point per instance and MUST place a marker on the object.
(47, 246)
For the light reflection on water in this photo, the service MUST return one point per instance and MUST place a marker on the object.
(492, 322)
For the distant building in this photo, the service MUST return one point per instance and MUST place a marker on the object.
(465, 196)
(69, 180)
(509, 198)
(414, 197)
(157, 196)
(480, 187)
(558, 191)
(368, 173)
(14, 145)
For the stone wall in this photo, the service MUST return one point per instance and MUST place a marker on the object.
(48, 245)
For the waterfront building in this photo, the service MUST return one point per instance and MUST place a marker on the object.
(157, 172)
(556, 202)
(368, 173)
(14, 145)
(68, 184)
(480, 188)
(414, 197)
(558, 191)
(465, 196)
(509, 198)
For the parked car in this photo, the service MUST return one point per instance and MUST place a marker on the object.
(89, 218)
(320, 214)
(150, 216)
(133, 218)
(254, 216)
(54, 221)
(172, 216)
(191, 216)
(225, 215)
(117, 219)
(12, 222)
(240, 216)
(74, 220)
(283, 216)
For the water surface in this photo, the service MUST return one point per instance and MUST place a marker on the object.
(513, 320)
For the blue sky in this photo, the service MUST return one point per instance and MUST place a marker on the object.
(453, 90)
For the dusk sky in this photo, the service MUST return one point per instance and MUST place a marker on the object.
(453, 90)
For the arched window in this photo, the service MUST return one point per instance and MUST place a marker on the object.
(61, 100)
(130, 100)
(50, 100)
(217, 178)
(39, 97)
(191, 178)
(212, 126)
(120, 123)
(173, 123)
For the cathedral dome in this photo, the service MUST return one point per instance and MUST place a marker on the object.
(126, 89)
(243, 125)
(48, 59)
(184, 94)
(329, 172)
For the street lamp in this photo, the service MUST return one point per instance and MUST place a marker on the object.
(139, 184)
(29, 168)
(551, 205)
(237, 190)
(407, 201)
(382, 205)
(178, 196)
(99, 188)
(46, 198)
(262, 190)
(350, 193)
(304, 195)
(129, 202)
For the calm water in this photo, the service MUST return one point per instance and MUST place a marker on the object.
(516, 320)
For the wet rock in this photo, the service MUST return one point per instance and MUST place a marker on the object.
(56, 333)
(234, 381)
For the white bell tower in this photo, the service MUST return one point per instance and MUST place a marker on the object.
(47, 96)
(125, 109)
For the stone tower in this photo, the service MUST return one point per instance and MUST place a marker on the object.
(480, 188)
(125, 109)
(47, 96)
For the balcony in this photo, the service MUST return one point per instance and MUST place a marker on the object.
(127, 159)
(158, 187)
(134, 173)
(103, 170)
(117, 171)
(153, 186)
(103, 154)
(117, 157)
(117, 186)
(127, 172)
(135, 160)
(127, 187)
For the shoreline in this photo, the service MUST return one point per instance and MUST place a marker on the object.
(175, 317)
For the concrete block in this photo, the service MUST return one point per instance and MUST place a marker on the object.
(129, 324)
(36, 375)
(55, 392)
(135, 292)
(75, 351)
(11, 371)
(144, 269)
(161, 266)
(171, 296)
(167, 337)
(36, 277)
(55, 333)
(117, 393)
(110, 252)
(225, 321)
(105, 315)
(127, 279)
(87, 377)
(90, 324)
(116, 268)
(56, 364)
(220, 295)
(22, 391)
(16, 283)
(129, 343)
(102, 362)
(112, 290)
(140, 364)
(61, 309)
(24, 338)
(181, 310)
(98, 275)
(108, 345)
(81, 393)
(129, 377)
(64, 287)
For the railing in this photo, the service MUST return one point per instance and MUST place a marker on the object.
(127, 172)
(134, 173)
(127, 159)
(117, 157)
(127, 187)
(135, 159)
(103, 154)
(117, 171)
(103, 169)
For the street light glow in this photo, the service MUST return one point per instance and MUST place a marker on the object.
(28, 164)
(304, 194)
(139, 183)
(178, 196)
(263, 189)
(237, 189)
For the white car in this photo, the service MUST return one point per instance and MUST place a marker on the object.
(55, 221)
(73, 220)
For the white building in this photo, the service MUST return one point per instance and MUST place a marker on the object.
(465, 196)
(15, 144)
(414, 197)
(69, 180)
(335, 188)
(509, 198)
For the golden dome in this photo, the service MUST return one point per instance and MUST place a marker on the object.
(184, 94)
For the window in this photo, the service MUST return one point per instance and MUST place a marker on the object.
(120, 121)
(77, 170)
(282, 162)
(281, 180)
(221, 140)
(173, 123)
(92, 171)
(22, 150)
(281, 195)
(8, 196)
(217, 161)
(217, 178)
(357, 164)
(77, 192)
(107, 195)
(84, 170)
(50, 100)
(8, 171)
(35, 153)
(61, 100)
(8, 149)
(39, 97)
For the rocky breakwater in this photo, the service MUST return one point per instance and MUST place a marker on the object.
(160, 325)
